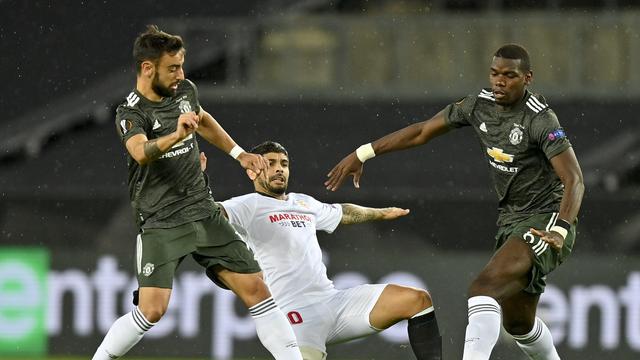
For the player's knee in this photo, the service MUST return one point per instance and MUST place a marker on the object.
(259, 288)
(253, 290)
(153, 312)
(415, 300)
(421, 299)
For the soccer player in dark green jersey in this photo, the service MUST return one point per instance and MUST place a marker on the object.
(172, 202)
(539, 185)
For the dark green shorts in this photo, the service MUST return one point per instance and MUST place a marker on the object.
(546, 259)
(211, 242)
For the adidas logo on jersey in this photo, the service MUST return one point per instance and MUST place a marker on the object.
(156, 125)
(132, 99)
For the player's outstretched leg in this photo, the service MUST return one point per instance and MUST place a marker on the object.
(273, 329)
(129, 329)
(123, 335)
(398, 303)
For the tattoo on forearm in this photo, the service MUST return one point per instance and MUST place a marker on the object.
(151, 149)
(354, 214)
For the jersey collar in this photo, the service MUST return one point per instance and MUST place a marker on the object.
(152, 103)
(273, 197)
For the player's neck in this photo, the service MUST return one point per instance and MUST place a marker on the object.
(145, 89)
(282, 196)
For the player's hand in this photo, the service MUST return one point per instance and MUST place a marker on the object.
(550, 237)
(187, 124)
(391, 213)
(253, 163)
(203, 161)
(350, 165)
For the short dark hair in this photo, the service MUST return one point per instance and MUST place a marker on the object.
(515, 52)
(152, 44)
(269, 147)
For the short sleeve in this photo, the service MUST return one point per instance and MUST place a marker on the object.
(328, 216)
(129, 123)
(240, 210)
(547, 133)
(456, 114)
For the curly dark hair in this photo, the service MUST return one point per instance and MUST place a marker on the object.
(152, 44)
(269, 147)
(515, 52)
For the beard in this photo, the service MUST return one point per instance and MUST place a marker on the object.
(161, 90)
(274, 190)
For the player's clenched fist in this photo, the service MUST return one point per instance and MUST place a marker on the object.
(187, 124)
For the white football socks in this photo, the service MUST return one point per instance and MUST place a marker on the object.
(538, 343)
(123, 335)
(483, 328)
(272, 328)
(274, 331)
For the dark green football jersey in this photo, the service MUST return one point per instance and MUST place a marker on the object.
(518, 144)
(171, 190)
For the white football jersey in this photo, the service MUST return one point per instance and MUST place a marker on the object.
(282, 235)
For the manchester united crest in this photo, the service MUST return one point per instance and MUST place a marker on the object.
(515, 137)
(148, 269)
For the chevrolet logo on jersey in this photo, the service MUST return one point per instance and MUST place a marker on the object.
(499, 156)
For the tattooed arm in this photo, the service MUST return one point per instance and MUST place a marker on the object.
(354, 214)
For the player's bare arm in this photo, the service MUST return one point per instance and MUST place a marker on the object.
(566, 166)
(143, 150)
(213, 132)
(410, 136)
(355, 214)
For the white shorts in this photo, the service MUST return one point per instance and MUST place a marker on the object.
(340, 317)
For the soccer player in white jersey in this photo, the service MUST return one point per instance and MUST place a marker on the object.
(281, 227)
